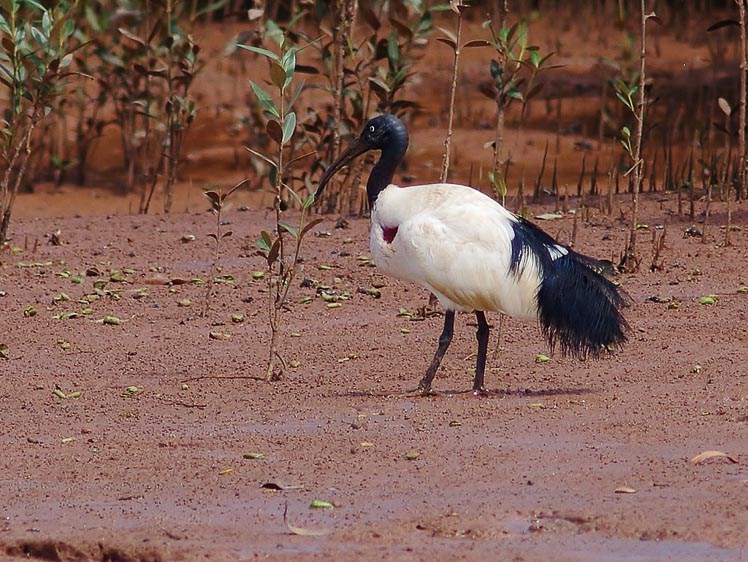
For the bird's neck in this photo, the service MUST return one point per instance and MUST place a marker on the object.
(383, 171)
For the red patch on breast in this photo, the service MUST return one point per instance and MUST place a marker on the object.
(388, 233)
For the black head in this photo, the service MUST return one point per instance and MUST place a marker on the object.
(384, 132)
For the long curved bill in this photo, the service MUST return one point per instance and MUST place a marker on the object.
(357, 147)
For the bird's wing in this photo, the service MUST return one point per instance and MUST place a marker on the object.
(457, 242)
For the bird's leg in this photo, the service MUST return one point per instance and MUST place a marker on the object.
(480, 363)
(444, 340)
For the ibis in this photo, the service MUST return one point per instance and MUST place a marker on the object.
(476, 256)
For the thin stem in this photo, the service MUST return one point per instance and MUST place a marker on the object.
(448, 140)
(631, 257)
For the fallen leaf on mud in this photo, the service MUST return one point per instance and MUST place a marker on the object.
(321, 504)
(625, 490)
(68, 439)
(701, 457)
(549, 216)
(133, 390)
(257, 456)
(59, 393)
(536, 405)
(707, 300)
(111, 320)
(21, 264)
(219, 336)
(184, 303)
(372, 292)
(542, 358)
(4, 351)
(226, 471)
(188, 238)
(301, 530)
(280, 485)
(412, 455)
(743, 290)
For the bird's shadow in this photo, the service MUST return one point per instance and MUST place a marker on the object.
(488, 393)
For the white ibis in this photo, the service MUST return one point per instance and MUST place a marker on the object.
(474, 255)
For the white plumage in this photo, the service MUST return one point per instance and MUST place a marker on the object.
(474, 255)
(456, 242)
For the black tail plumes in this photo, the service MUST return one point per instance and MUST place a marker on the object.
(578, 308)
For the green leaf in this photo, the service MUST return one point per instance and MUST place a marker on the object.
(514, 94)
(384, 87)
(393, 51)
(288, 228)
(132, 36)
(320, 504)
(68, 29)
(46, 23)
(626, 101)
(265, 99)
(289, 126)
(264, 242)
(39, 37)
(4, 25)
(32, 3)
(535, 59)
(260, 51)
(274, 31)
(309, 201)
(289, 65)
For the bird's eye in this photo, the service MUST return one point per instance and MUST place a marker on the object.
(371, 128)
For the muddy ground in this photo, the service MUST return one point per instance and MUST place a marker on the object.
(569, 460)
(156, 438)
